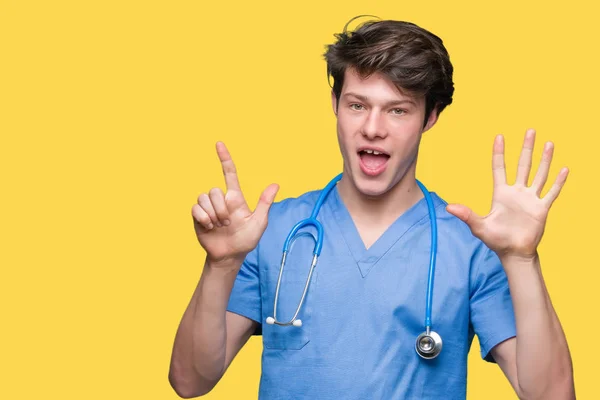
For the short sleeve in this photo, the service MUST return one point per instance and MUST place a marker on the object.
(492, 313)
(245, 297)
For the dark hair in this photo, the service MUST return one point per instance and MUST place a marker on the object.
(411, 57)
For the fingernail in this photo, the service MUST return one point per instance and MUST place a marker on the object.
(210, 226)
(226, 222)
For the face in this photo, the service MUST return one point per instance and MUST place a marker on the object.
(379, 131)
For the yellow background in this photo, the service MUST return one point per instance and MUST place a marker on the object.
(109, 112)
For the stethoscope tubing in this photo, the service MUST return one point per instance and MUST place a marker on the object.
(432, 255)
(432, 340)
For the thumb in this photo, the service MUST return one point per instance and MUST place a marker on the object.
(266, 199)
(465, 214)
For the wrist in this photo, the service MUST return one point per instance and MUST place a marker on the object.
(518, 263)
(518, 258)
(225, 264)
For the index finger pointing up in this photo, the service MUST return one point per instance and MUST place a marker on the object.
(229, 171)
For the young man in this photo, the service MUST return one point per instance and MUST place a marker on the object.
(365, 303)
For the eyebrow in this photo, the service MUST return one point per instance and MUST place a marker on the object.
(389, 103)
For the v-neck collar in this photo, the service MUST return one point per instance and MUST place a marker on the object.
(367, 258)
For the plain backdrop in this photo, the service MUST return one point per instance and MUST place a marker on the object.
(109, 114)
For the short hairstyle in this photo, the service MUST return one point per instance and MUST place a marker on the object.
(411, 57)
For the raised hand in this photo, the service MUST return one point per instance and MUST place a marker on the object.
(516, 222)
(226, 228)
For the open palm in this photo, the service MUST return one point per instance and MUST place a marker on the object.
(516, 221)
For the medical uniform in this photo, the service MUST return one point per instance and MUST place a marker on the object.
(365, 307)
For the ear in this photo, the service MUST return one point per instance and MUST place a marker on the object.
(334, 102)
(433, 117)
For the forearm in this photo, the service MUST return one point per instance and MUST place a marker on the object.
(198, 358)
(544, 367)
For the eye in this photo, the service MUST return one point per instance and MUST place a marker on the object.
(356, 107)
(398, 111)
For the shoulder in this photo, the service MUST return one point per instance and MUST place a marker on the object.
(449, 223)
(457, 234)
(294, 206)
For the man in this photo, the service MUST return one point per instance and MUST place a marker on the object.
(365, 303)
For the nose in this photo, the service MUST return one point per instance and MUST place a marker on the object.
(374, 126)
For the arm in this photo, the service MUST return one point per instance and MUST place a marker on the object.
(208, 337)
(537, 362)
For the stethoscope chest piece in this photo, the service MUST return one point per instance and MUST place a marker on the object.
(428, 345)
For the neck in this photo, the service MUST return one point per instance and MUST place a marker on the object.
(383, 209)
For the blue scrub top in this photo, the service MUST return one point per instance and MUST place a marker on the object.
(365, 307)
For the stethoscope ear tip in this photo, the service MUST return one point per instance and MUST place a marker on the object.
(271, 321)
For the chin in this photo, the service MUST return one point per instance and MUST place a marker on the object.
(371, 187)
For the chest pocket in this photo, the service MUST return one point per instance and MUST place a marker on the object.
(293, 281)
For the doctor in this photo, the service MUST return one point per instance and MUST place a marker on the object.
(365, 302)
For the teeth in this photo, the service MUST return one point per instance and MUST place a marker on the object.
(372, 152)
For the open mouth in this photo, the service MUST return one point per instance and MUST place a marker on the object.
(373, 162)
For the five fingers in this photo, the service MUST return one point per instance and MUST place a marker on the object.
(524, 167)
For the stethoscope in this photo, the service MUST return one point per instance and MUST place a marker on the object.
(428, 344)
